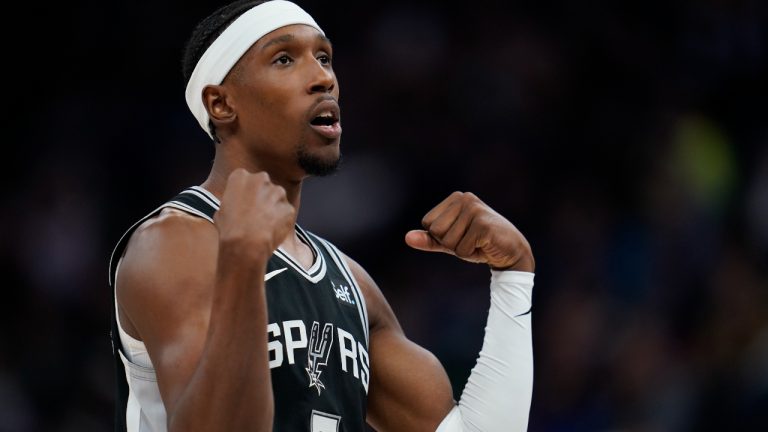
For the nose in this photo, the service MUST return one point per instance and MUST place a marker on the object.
(322, 79)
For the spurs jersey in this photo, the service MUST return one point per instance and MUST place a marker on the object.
(317, 340)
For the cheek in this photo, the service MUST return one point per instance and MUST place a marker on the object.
(266, 107)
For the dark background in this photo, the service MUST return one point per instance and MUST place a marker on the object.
(627, 140)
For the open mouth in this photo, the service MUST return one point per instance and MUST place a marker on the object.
(325, 119)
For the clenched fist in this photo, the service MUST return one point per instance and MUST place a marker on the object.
(464, 226)
(255, 216)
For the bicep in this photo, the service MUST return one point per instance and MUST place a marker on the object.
(409, 390)
(165, 288)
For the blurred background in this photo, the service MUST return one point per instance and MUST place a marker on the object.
(627, 140)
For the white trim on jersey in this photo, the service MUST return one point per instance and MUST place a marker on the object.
(318, 269)
(211, 197)
(356, 291)
(315, 273)
(194, 190)
(145, 411)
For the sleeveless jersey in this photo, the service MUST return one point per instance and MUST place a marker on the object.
(317, 340)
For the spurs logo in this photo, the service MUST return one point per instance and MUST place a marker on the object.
(317, 353)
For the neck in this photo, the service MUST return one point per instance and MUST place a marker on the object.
(226, 162)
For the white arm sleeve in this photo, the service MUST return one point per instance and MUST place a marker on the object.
(497, 396)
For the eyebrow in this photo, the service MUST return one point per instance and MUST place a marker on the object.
(325, 39)
(289, 38)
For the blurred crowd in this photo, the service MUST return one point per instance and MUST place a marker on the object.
(628, 141)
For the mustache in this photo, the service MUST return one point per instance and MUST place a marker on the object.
(322, 99)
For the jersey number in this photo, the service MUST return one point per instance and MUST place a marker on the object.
(324, 422)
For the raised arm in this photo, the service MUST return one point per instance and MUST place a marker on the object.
(194, 294)
(410, 390)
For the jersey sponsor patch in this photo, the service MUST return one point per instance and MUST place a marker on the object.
(343, 295)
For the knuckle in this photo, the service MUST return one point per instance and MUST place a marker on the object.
(277, 194)
(479, 209)
(425, 222)
(474, 209)
(450, 243)
(436, 228)
(233, 178)
(239, 173)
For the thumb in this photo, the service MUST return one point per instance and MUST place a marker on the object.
(421, 240)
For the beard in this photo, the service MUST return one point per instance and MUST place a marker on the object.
(316, 166)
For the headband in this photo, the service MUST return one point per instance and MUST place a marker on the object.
(234, 41)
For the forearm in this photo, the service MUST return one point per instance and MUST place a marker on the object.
(497, 396)
(231, 386)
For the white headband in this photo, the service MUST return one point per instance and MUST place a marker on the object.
(236, 39)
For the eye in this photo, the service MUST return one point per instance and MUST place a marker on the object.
(283, 60)
(324, 59)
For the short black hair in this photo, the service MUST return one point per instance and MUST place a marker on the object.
(206, 32)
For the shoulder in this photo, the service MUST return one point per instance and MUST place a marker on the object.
(172, 234)
(167, 254)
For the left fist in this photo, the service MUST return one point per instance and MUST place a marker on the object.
(466, 227)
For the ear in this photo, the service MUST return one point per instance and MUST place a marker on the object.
(217, 103)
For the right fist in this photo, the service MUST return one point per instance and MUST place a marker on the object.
(255, 215)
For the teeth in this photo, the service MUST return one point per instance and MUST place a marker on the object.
(325, 118)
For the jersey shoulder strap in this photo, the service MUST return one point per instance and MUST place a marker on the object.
(194, 200)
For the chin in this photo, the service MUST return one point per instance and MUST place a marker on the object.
(319, 166)
(319, 158)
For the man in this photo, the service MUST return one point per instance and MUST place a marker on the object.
(199, 280)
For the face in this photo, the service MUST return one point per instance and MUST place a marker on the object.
(285, 95)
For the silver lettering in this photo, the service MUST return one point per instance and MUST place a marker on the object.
(364, 364)
(347, 351)
(275, 346)
(290, 343)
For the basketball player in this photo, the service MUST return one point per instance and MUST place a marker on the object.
(231, 317)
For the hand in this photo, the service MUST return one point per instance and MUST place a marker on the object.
(466, 227)
(255, 215)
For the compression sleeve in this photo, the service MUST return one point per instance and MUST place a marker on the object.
(497, 396)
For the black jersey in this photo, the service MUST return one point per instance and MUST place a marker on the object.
(317, 333)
